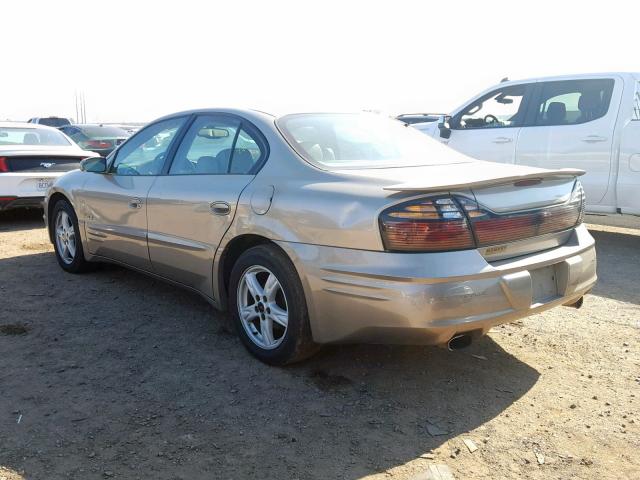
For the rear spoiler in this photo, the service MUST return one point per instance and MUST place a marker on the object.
(422, 185)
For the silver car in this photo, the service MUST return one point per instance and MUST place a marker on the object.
(323, 228)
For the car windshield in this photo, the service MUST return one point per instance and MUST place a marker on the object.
(32, 136)
(54, 121)
(104, 132)
(357, 140)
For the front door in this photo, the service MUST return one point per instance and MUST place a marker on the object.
(114, 204)
(191, 207)
(572, 127)
(488, 128)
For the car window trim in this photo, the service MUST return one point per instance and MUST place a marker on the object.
(525, 106)
(245, 124)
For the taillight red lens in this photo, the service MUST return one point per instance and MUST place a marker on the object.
(492, 229)
(97, 144)
(436, 224)
(3, 165)
(426, 225)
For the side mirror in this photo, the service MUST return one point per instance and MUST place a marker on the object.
(94, 165)
(444, 126)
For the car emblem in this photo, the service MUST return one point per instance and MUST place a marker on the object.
(47, 164)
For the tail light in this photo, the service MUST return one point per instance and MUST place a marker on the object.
(99, 144)
(432, 224)
(443, 223)
(3, 165)
(492, 229)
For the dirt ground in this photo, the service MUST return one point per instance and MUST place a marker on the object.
(115, 375)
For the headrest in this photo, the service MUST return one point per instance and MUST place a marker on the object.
(556, 112)
(31, 139)
(589, 101)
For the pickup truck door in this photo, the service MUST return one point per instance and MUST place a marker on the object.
(488, 127)
(628, 192)
(571, 125)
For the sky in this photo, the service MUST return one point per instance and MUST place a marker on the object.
(137, 60)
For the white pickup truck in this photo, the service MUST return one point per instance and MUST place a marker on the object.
(589, 122)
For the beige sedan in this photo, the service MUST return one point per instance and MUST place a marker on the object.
(324, 228)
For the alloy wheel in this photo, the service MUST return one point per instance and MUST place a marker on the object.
(262, 307)
(65, 237)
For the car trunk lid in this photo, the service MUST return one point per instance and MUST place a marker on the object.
(39, 163)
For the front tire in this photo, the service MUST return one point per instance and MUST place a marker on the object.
(268, 307)
(67, 242)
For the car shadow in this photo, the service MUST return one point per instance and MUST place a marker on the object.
(618, 265)
(115, 373)
(21, 219)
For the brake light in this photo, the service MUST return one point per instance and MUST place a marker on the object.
(492, 229)
(445, 223)
(100, 144)
(426, 225)
(3, 165)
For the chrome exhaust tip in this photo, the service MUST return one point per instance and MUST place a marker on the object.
(459, 342)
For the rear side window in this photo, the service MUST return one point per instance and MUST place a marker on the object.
(216, 145)
(572, 102)
(636, 103)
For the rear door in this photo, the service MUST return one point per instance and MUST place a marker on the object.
(629, 164)
(571, 125)
(114, 204)
(192, 205)
(488, 128)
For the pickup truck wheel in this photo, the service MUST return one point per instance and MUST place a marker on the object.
(66, 239)
(268, 307)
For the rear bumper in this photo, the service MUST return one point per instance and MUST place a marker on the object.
(382, 297)
(8, 203)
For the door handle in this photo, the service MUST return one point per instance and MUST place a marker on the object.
(594, 139)
(220, 208)
(135, 203)
(502, 140)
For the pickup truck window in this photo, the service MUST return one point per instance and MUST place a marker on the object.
(572, 102)
(636, 103)
(499, 109)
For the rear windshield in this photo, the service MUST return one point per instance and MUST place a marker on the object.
(104, 132)
(32, 136)
(54, 122)
(357, 140)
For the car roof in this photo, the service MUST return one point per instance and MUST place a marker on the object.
(24, 125)
(575, 76)
(82, 125)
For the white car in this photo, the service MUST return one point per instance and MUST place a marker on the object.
(32, 156)
(588, 122)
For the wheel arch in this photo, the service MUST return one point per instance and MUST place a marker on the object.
(230, 255)
(51, 204)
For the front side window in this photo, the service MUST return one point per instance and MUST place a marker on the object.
(216, 145)
(636, 103)
(360, 140)
(499, 109)
(145, 153)
(572, 102)
(32, 136)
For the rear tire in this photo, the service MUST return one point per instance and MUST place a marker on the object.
(268, 307)
(67, 241)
